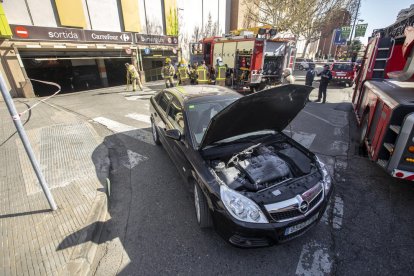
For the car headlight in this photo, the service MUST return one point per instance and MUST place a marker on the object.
(241, 207)
(326, 178)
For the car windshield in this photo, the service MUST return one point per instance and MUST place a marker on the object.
(200, 114)
(342, 67)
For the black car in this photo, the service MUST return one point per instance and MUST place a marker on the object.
(253, 183)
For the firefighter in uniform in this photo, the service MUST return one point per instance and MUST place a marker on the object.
(202, 73)
(183, 73)
(167, 73)
(133, 77)
(193, 73)
(220, 72)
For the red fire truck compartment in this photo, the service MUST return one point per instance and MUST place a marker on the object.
(386, 113)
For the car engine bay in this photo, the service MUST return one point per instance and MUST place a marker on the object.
(261, 166)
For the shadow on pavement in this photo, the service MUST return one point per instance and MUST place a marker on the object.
(152, 225)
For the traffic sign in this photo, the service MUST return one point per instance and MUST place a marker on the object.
(360, 30)
(338, 39)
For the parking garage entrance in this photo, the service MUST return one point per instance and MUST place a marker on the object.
(75, 70)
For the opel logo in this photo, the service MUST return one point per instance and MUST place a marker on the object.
(303, 207)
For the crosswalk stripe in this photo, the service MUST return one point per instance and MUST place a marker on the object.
(133, 132)
(314, 260)
(139, 117)
(134, 98)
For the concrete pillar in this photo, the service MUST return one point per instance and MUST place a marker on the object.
(102, 72)
(14, 72)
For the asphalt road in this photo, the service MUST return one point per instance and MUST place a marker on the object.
(152, 229)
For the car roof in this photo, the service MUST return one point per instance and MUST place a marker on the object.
(202, 93)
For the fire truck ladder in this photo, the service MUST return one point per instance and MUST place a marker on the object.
(385, 49)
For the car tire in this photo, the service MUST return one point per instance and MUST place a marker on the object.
(300, 67)
(155, 135)
(201, 207)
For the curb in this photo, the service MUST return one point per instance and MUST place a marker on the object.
(84, 252)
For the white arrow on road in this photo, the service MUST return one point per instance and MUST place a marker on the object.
(133, 159)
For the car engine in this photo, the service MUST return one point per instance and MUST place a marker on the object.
(259, 167)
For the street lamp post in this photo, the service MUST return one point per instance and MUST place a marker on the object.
(355, 20)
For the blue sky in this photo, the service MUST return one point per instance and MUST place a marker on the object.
(380, 13)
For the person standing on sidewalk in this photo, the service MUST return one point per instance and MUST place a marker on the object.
(133, 77)
(326, 76)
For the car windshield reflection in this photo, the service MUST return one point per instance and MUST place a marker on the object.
(200, 114)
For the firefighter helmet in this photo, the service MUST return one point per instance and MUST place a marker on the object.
(127, 64)
(167, 61)
(183, 61)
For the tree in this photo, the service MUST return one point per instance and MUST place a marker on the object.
(302, 18)
(211, 28)
(276, 13)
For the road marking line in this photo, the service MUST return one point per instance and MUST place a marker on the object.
(133, 132)
(139, 117)
(322, 119)
(325, 216)
(338, 213)
(314, 260)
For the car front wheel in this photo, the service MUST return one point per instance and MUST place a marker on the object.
(201, 207)
(155, 136)
(301, 67)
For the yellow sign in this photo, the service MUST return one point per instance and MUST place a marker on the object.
(171, 17)
(130, 12)
(71, 13)
(5, 31)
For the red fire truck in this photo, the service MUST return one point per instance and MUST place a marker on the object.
(255, 59)
(383, 99)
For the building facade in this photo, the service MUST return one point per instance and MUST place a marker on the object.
(84, 44)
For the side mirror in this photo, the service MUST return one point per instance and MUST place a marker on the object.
(173, 134)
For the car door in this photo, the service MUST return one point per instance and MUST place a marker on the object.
(175, 118)
(160, 115)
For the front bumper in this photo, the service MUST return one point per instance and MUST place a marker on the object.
(245, 235)
(342, 79)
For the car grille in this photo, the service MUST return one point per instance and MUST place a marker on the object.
(291, 212)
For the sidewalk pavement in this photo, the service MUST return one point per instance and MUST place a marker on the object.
(35, 240)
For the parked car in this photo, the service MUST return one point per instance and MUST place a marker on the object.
(253, 183)
(343, 72)
(303, 63)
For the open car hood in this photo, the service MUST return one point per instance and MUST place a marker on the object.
(271, 109)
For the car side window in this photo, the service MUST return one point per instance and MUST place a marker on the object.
(165, 100)
(157, 97)
(175, 114)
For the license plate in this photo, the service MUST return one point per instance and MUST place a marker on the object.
(300, 226)
(341, 74)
